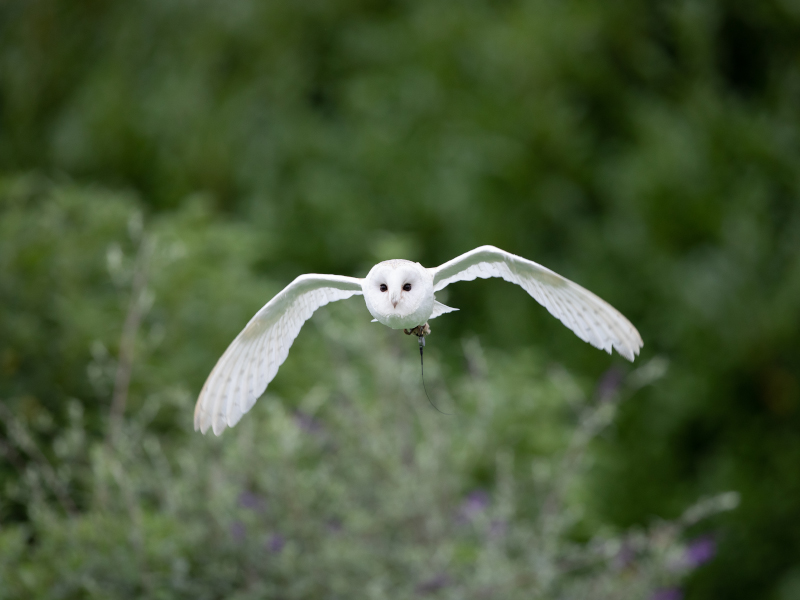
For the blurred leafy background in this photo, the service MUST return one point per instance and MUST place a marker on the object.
(648, 150)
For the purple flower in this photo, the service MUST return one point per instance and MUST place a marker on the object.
(497, 528)
(700, 551)
(238, 531)
(672, 593)
(334, 525)
(625, 556)
(609, 384)
(276, 543)
(475, 503)
(307, 423)
(433, 584)
(251, 500)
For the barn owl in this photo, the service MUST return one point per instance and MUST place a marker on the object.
(400, 295)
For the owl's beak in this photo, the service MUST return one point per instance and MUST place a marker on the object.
(395, 300)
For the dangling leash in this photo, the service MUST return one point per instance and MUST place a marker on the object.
(421, 331)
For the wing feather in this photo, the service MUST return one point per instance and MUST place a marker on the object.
(606, 332)
(258, 375)
(242, 386)
(597, 336)
(252, 360)
(221, 384)
(237, 389)
(588, 316)
(439, 309)
(228, 394)
(253, 371)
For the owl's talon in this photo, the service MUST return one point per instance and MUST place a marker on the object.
(419, 330)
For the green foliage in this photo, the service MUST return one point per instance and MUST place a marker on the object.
(360, 490)
(350, 485)
(648, 150)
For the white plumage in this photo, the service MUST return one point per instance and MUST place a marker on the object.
(399, 294)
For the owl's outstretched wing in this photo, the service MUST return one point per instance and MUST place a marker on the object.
(251, 361)
(592, 319)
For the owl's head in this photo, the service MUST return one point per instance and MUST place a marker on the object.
(398, 288)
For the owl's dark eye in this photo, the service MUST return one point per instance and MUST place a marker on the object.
(407, 287)
(383, 287)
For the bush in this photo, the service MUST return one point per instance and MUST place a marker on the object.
(341, 483)
(359, 490)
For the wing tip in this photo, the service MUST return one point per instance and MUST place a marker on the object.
(631, 351)
(202, 421)
(218, 426)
